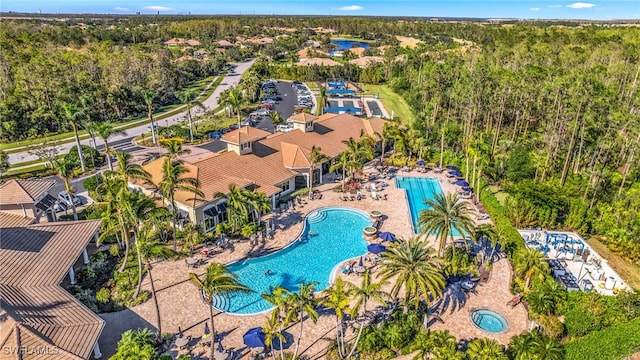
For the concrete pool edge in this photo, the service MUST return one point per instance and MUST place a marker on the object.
(296, 239)
(499, 316)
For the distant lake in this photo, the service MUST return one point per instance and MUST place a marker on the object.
(347, 44)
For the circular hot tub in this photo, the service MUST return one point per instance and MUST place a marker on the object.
(489, 321)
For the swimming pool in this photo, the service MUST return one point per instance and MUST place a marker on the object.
(417, 190)
(489, 320)
(337, 236)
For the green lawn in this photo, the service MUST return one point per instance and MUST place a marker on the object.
(392, 102)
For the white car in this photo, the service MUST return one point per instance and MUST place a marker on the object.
(284, 128)
(263, 112)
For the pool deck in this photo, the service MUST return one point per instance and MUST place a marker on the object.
(181, 305)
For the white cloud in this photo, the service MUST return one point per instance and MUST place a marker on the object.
(581, 5)
(350, 8)
(555, 6)
(157, 8)
(120, 8)
(534, 9)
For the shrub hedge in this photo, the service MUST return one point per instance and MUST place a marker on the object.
(615, 342)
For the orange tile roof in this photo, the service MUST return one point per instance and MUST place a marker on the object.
(37, 312)
(24, 191)
(244, 134)
(302, 117)
(367, 60)
(8, 220)
(358, 50)
(319, 62)
(225, 43)
(294, 156)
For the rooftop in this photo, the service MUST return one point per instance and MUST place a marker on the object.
(36, 311)
(245, 134)
(24, 191)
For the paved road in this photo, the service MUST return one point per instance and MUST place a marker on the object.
(284, 107)
(124, 142)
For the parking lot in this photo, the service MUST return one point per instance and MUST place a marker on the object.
(284, 107)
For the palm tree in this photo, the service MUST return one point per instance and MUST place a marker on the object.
(128, 170)
(258, 202)
(193, 235)
(279, 297)
(388, 131)
(446, 214)
(358, 152)
(135, 344)
(367, 291)
(535, 346)
(412, 264)
(106, 130)
(485, 349)
(117, 198)
(174, 181)
(72, 115)
(174, 148)
(275, 118)
(235, 100)
(530, 263)
(148, 96)
(188, 97)
(236, 205)
(64, 169)
(150, 250)
(338, 297)
(140, 210)
(315, 157)
(273, 330)
(486, 233)
(546, 298)
(322, 101)
(303, 303)
(217, 281)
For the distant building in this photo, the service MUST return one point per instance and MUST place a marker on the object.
(181, 42)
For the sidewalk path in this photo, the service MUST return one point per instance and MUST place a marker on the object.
(232, 79)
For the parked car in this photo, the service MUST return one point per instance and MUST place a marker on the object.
(248, 122)
(284, 128)
(68, 199)
(263, 112)
(215, 135)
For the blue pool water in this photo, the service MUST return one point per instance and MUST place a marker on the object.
(346, 45)
(337, 237)
(417, 190)
(490, 321)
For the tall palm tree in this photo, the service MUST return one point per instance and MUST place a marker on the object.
(388, 134)
(236, 205)
(535, 346)
(129, 171)
(236, 101)
(174, 148)
(149, 250)
(273, 331)
(279, 297)
(148, 96)
(304, 304)
(217, 281)
(315, 157)
(530, 263)
(64, 168)
(367, 291)
(174, 181)
(188, 97)
(485, 349)
(106, 130)
(193, 235)
(140, 210)
(483, 234)
(415, 269)
(338, 298)
(72, 115)
(446, 214)
(546, 298)
(359, 152)
(258, 202)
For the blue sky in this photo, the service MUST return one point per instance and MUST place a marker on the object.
(536, 9)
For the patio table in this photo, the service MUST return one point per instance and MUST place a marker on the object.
(220, 355)
(191, 261)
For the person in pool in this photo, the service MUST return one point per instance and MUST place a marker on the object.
(267, 272)
(311, 233)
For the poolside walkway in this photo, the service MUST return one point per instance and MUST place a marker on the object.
(181, 305)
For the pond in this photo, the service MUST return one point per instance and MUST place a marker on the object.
(347, 44)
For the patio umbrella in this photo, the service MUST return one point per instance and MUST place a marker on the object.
(451, 167)
(420, 162)
(179, 332)
(376, 248)
(462, 183)
(220, 349)
(360, 262)
(254, 338)
(387, 236)
(455, 173)
(207, 332)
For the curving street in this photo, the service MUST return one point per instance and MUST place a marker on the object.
(125, 143)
